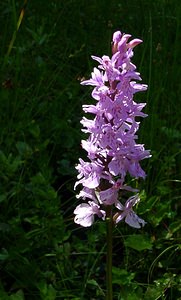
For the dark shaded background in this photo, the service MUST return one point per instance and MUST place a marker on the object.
(43, 254)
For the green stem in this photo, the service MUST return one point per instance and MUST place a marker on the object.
(109, 224)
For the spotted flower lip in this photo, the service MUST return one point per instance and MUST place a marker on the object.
(90, 174)
(97, 79)
(128, 214)
(85, 213)
(112, 124)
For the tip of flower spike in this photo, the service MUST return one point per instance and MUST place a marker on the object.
(122, 45)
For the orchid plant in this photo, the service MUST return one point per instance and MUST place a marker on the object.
(112, 148)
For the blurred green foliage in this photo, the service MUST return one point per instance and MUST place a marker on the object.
(43, 254)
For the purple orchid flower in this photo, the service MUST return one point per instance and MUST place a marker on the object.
(85, 213)
(128, 214)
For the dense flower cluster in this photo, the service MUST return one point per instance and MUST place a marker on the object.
(111, 146)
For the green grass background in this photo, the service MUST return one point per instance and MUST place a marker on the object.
(43, 254)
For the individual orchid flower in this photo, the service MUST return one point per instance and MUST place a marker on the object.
(85, 213)
(128, 214)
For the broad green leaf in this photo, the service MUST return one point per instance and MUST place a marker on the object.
(174, 227)
(23, 148)
(47, 291)
(153, 293)
(138, 242)
(122, 276)
(18, 296)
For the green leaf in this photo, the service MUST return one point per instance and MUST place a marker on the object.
(138, 242)
(174, 227)
(153, 293)
(23, 148)
(122, 276)
(34, 129)
(92, 282)
(133, 296)
(47, 291)
(18, 296)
